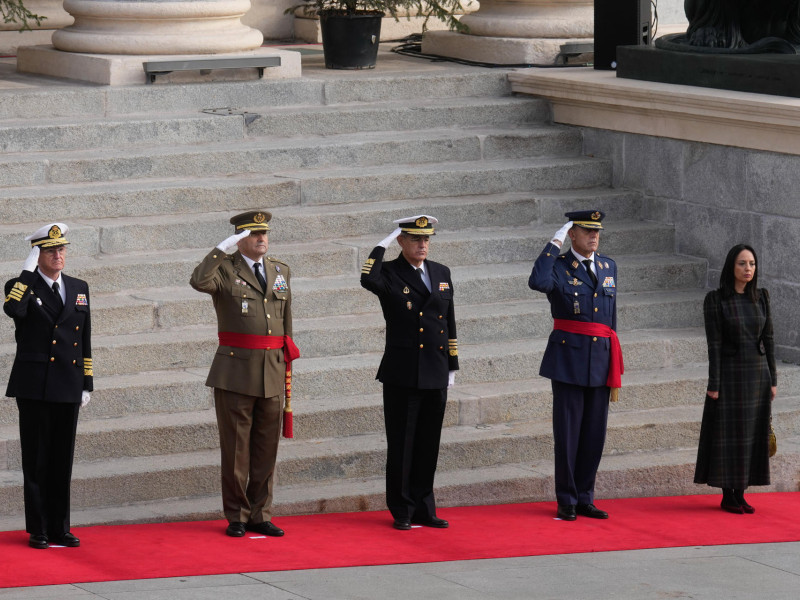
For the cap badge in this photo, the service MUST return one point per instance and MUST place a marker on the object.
(259, 218)
(595, 216)
(421, 222)
(55, 232)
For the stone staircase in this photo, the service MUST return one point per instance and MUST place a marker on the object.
(147, 181)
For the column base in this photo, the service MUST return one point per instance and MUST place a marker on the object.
(116, 69)
(495, 50)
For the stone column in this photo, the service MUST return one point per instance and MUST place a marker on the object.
(516, 31)
(111, 39)
(157, 27)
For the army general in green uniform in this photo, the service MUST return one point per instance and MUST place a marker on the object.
(253, 302)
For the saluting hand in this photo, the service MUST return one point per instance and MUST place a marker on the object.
(228, 244)
(561, 234)
(32, 260)
(390, 238)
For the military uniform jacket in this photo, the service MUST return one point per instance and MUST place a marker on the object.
(242, 307)
(571, 357)
(54, 351)
(421, 343)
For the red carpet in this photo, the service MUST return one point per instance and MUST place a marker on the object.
(356, 539)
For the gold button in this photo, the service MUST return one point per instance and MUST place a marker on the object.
(52, 359)
(267, 314)
(442, 331)
(441, 347)
(75, 344)
(595, 294)
(77, 328)
(269, 330)
(214, 256)
(420, 330)
(73, 362)
(420, 314)
(231, 353)
(563, 341)
(244, 295)
(421, 346)
(54, 342)
(56, 326)
(595, 309)
(440, 316)
(594, 339)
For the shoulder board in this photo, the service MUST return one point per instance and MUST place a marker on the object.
(277, 260)
(562, 256)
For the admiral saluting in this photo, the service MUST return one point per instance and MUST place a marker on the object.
(583, 359)
(419, 364)
(51, 379)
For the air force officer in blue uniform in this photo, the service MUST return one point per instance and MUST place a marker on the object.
(582, 352)
(419, 364)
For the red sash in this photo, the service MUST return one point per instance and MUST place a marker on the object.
(269, 342)
(615, 365)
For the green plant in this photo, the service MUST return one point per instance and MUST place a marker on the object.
(14, 11)
(444, 10)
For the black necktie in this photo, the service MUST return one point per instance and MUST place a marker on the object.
(260, 277)
(422, 277)
(59, 301)
(588, 264)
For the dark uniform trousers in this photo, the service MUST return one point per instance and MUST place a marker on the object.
(52, 367)
(577, 366)
(421, 349)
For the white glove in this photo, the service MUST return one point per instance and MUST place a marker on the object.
(85, 398)
(228, 244)
(451, 379)
(32, 260)
(561, 234)
(390, 238)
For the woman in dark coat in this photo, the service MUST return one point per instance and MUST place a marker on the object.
(734, 449)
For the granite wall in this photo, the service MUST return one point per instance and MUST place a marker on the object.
(718, 196)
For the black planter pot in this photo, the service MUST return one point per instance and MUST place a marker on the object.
(350, 41)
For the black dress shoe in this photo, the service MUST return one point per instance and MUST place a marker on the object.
(432, 522)
(734, 508)
(566, 512)
(265, 528)
(235, 529)
(591, 511)
(38, 541)
(402, 524)
(66, 539)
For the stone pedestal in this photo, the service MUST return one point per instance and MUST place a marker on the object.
(110, 39)
(516, 31)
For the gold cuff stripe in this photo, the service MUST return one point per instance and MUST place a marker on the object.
(87, 368)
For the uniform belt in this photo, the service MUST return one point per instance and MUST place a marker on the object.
(260, 342)
(615, 365)
(269, 342)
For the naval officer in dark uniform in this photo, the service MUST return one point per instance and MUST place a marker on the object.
(51, 379)
(419, 364)
(582, 359)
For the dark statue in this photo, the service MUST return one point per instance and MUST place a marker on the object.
(738, 26)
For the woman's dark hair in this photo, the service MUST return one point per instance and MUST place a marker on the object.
(727, 280)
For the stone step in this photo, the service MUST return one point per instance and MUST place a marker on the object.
(354, 373)
(401, 182)
(635, 474)
(137, 197)
(95, 234)
(152, 309)
(313, 89)
(472, 405)
(345, 255)
(410, 114)
(136, 479)
(126, 199)
(227, 156)
(74, 133)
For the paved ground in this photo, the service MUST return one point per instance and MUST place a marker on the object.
(762, 571)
